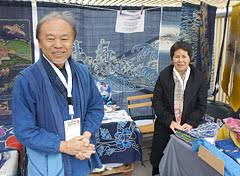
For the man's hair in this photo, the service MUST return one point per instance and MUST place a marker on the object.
(65, 15)
(181, 45)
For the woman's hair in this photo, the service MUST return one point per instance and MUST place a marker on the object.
(181, 45)
(65, 15)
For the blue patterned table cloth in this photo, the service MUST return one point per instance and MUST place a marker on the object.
(119, 142)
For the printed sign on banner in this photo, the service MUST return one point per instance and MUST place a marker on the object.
(130, 21)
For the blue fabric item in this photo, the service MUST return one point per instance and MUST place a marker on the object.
(231, 168)
(39, 109)
(39, 164)
(197, 28)
(119, 142)
(228, 147)
(208, 129)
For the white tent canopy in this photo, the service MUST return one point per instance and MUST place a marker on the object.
(152, 3)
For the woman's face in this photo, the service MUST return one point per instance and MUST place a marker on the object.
(181, 60)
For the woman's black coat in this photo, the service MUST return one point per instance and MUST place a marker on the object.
(194, 107)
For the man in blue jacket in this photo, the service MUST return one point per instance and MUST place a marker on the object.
(57, 108)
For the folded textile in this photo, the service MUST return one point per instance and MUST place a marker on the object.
(185, 136)
(208, 129)
(228, 147)
(234, 137)
(232, 124)
(223, 133)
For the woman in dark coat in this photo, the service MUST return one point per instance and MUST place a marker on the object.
(179, 101)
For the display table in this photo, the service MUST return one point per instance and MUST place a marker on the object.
(119, 142)
(179, 160)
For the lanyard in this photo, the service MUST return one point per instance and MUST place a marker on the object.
(67, 84)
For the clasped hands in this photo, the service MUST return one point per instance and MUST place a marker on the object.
(185, 127)
(79, 146)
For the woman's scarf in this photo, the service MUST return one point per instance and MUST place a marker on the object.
(180, 84)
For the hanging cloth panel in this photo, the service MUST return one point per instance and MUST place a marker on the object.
(232, 65)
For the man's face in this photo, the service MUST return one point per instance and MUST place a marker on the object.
(56, 41)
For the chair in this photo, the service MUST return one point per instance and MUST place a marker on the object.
(142, 101)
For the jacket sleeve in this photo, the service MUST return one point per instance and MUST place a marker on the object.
(161, 105)
(24, 120)
(195, 117)
(95, 109)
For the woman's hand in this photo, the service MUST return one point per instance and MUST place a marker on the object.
(186, 127)
(174, 125)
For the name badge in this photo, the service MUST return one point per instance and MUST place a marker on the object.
(72, 128)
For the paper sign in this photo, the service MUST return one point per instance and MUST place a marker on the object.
(130, 21)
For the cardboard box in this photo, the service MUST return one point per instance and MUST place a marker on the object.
(211, 159)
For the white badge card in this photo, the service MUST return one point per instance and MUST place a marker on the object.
(72, 128)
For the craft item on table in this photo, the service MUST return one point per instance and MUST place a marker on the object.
(228, 147)
(234, 137)
(223, 133)
(208, 118)
(185, 136)
(232, 124)
(116, 116)
(105, 92)
(208, 129)
(111, 108)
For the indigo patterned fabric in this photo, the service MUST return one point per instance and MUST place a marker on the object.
(129, 63)
(119, 142)
(16, 47)
(208, 129)
(197, 28)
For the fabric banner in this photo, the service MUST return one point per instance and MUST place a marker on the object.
(16, 46)
(16, 53)
(231, 73)
(126, 62)
(205, 45)
(169, 34)
(197, 28)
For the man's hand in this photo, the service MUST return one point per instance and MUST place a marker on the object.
(85, 154)
(79, 146)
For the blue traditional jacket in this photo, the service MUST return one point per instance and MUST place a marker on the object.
(40, 107)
